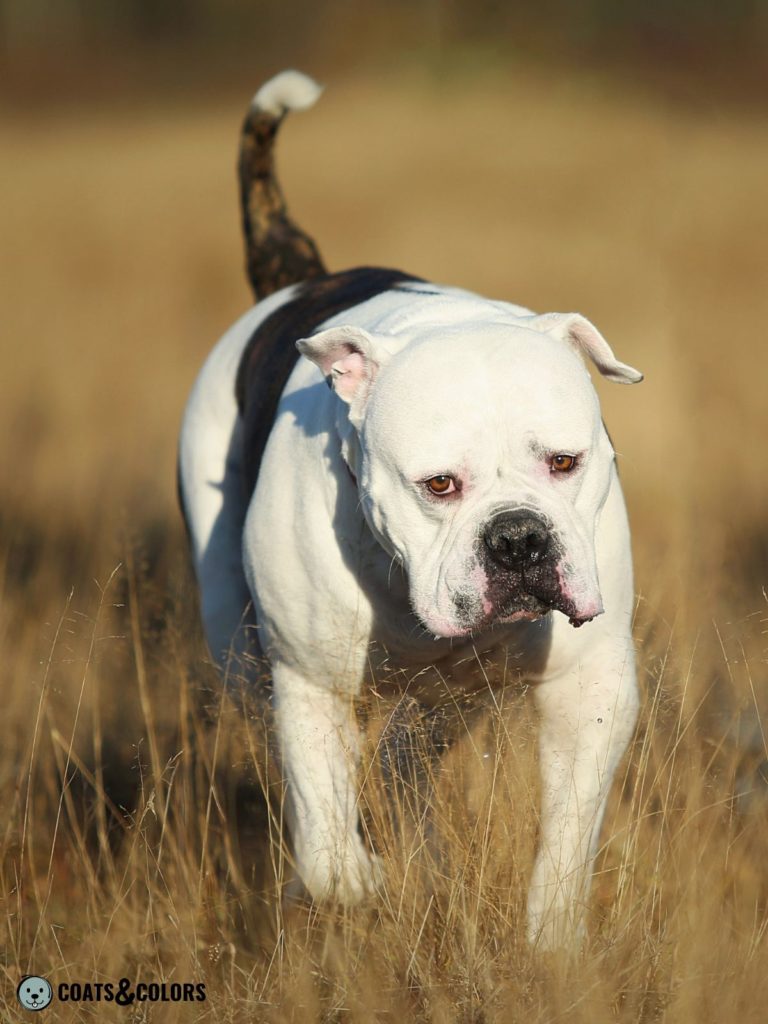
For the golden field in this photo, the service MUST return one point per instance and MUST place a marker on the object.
(135, 842)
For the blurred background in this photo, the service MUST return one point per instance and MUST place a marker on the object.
(652, 42)
(606, 156)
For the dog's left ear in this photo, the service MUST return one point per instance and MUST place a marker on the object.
(349, 358)
(584, 336)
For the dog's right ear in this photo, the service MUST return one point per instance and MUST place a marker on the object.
(349, 358)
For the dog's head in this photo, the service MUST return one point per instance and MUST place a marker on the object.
(481, 460)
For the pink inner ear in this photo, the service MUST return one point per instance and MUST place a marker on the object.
(348, 373)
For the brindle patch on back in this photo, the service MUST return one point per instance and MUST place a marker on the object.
(270, 355)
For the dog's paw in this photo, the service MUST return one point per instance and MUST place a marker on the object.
(345, 873)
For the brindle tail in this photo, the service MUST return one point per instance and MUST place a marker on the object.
(278, 253)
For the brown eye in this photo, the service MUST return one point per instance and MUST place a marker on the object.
(562, 463)
(441, 484)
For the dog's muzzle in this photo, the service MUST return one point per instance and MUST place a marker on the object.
(521, 557)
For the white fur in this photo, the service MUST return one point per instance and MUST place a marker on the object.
(340, 551)
(288, 90)
(210, 478)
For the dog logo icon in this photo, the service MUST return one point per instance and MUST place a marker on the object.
(34, 993)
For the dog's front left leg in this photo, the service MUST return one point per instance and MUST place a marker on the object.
(319, 748)
(586, 720)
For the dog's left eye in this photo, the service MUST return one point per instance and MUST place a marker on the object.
(562, 463)
(441, 484)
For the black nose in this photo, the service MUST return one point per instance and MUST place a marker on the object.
(516, 540)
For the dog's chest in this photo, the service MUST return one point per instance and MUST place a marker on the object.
(404, 656)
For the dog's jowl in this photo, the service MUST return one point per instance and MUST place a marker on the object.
(381, 474)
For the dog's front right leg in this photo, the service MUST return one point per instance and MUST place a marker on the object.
(319, 748)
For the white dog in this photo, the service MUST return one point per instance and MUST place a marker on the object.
(431, 483)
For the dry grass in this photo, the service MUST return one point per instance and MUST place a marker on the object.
(133, 831)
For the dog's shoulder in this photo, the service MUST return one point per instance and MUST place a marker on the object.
(270, 353)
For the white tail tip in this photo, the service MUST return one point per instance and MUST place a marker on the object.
(288, 90)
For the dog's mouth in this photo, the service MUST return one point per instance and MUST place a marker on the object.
(529, 608)
(520, 607)
(520, 597)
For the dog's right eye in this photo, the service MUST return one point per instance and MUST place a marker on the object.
(441, 484)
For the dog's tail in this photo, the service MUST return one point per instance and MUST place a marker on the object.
(278, 253)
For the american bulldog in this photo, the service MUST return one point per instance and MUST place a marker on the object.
(385, 477)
